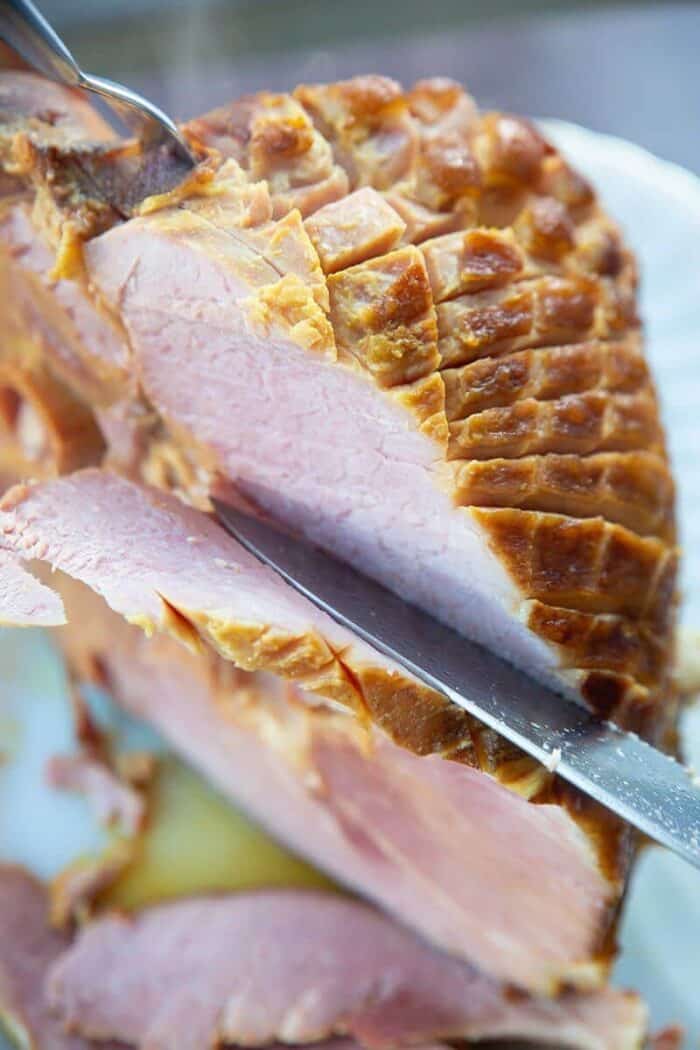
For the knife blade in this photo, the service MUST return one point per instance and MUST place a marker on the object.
(648, 789)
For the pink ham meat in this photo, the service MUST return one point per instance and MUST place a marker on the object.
(27, 948)
(25, 602)
(162, 565)
(30, 948)
(299, 967)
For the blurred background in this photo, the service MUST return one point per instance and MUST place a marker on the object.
(631, 69)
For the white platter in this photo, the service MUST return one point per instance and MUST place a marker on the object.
(658, 205)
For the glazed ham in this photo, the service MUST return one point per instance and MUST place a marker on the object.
(517, 432)
(536, 567)
(296, 967)
(410, 332)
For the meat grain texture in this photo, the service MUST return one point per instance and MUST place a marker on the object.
(410, 331)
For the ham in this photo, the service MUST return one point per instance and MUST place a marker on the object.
(298, 967)
(308, 984)
(29, 947)
(587, 565)
(436, 843)
(409, 331)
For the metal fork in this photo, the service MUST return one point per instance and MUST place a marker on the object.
(28, 33)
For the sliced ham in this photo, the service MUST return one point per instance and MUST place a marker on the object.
(166, 566)
(28, 948)
(436, 843)
(298, 967)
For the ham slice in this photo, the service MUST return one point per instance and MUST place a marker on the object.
(163, 565)
(298, 967)
(29, 947)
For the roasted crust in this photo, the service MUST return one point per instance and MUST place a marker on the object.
(383, 315)
(589, 564)
(545, 375)
(548, 310)
(633, 489)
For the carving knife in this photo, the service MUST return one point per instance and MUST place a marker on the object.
(647, 788)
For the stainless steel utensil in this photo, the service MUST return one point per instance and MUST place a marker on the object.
(642, 785)
(26, 30)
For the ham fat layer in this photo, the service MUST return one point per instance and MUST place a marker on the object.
(408, 329)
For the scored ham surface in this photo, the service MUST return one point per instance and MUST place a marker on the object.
(409, 331)
(298, 967)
